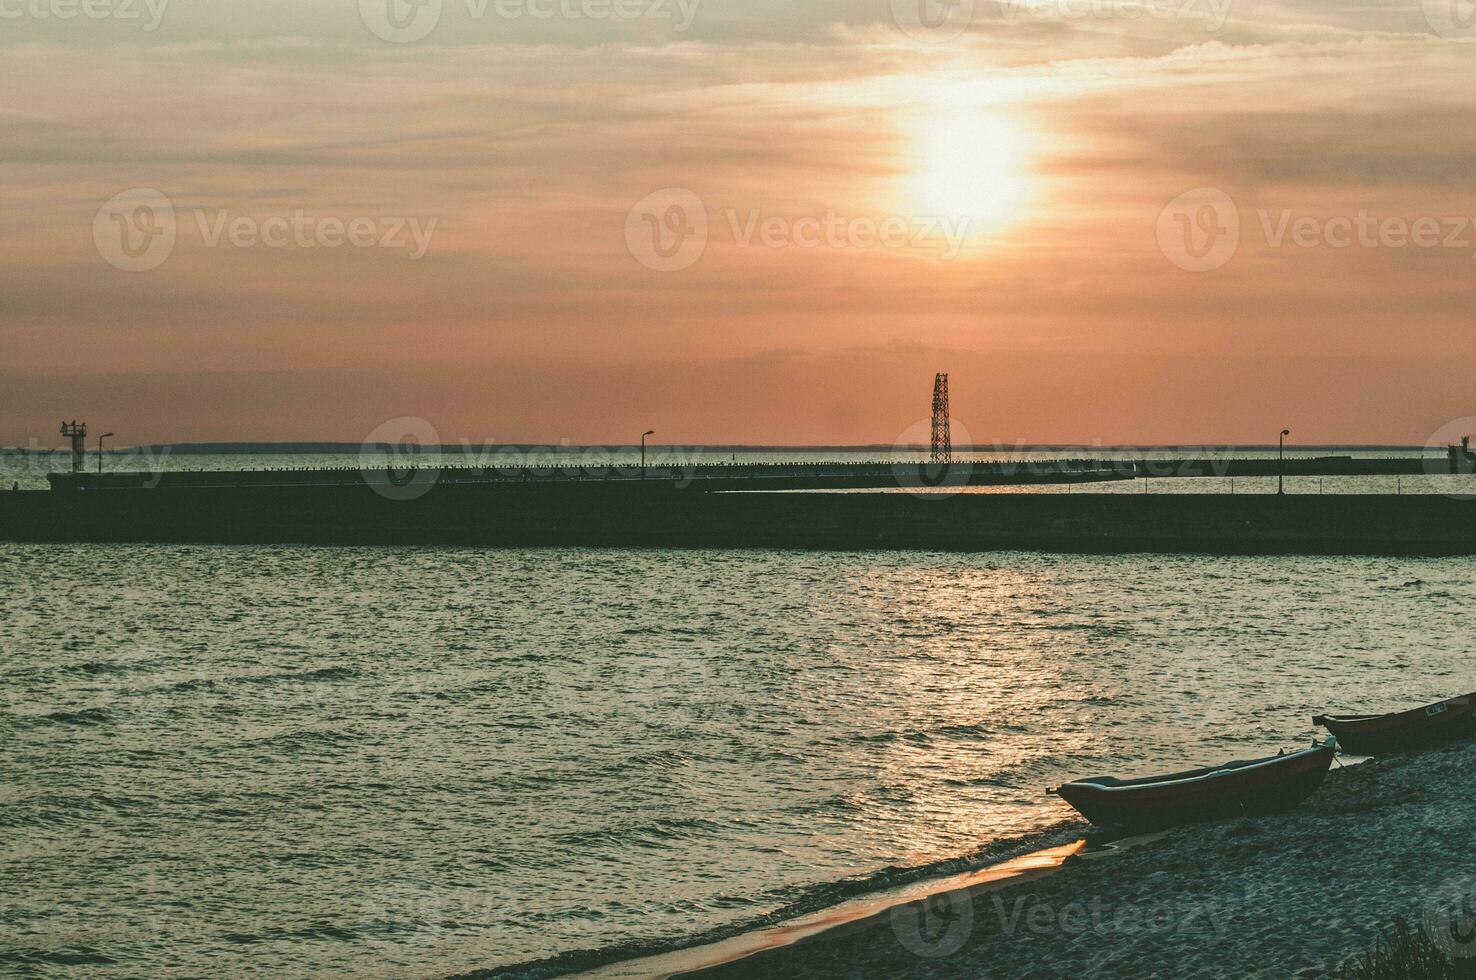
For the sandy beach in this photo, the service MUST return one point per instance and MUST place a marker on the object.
(1291, 895)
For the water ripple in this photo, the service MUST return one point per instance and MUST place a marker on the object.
(349, 761)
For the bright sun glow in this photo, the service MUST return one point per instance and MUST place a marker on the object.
(971, 166)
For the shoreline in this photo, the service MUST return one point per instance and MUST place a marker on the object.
(1296, 894)
(1290, 895)
(857, 915)
(819, 910)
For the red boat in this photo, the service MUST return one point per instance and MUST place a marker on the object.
(1278, 782)
(1376, 734)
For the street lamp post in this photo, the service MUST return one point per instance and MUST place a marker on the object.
(1281, 462)
(648, 432)
(100, 438)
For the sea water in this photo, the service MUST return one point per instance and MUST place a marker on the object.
(419, 761)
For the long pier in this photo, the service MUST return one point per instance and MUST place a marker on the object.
(904, 472)
(698, 476)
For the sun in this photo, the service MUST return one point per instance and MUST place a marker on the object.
(971, 166)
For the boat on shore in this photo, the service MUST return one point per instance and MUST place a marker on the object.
(1266, 785)
(1403, 730)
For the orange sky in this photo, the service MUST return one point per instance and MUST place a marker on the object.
(1032, 163)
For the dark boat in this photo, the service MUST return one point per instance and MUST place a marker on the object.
(1277, 782)
(1375, 734)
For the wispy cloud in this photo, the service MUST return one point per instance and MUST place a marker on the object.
(528, 142)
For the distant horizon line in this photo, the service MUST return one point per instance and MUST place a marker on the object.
(349, 448)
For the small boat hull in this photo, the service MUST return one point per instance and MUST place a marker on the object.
(1236, 788)
(1403, 730)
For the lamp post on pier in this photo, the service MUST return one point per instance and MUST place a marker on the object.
(1281, 462)
(648, 432)
(100, 438)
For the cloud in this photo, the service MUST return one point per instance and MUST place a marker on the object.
(529, 149)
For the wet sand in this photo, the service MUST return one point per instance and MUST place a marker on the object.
(857, 915)
(1290, 895)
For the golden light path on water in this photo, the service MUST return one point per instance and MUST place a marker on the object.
(980, 692)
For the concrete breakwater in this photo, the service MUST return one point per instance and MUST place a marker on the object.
(656, 515)
(715, 477)
(904, 471)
